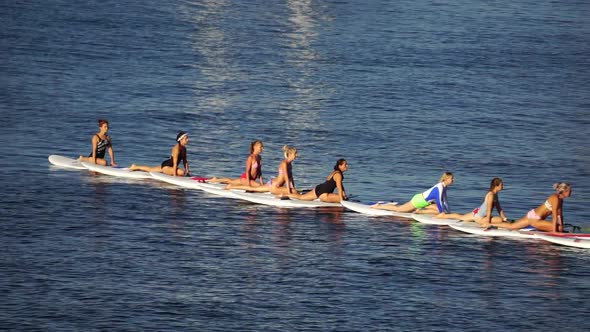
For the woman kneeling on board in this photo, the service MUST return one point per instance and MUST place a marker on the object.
(483, 214)
(422, 202)
(325, 191)
(100, 143)
(170, 165)
(552, 206)
(283, 184)
(253, 169)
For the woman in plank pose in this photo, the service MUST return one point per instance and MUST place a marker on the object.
(325, 191)
(483, 214)
(170, 165)
(422, 202)
(553, 207)
(101, 142)
(252, 177)
(283, 184)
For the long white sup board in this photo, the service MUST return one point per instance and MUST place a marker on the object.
(566, 241)
(196, 183)
(431, 220)
(367, 209)
(269, 199)
(117, 171)
(475, 228)
(65, 162)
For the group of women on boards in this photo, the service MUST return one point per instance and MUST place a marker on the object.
(432, 201)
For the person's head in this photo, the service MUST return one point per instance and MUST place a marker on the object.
(103, 125)
(341, 165)
(182, 137)
(447, 178)
(496, 183)
(256, 146)
(290, 152)
(562, 189)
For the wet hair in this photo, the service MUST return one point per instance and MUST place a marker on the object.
(495, 182)
(181, 135)
(560, 187)
(287, 150)
(445, 176)
(339, 162)
(253, 144)
(101, 122)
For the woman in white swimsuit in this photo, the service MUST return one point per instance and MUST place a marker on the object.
(553, 207)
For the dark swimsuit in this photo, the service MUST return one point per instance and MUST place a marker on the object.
(170, 161)
(328, 186)
(101, 147)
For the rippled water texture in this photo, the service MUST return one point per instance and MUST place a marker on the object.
(403, 90)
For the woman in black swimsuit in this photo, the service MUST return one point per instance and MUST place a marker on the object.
(101, 142)
(325, 191)
(170, 165)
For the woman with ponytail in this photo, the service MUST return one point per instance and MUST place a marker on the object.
(423, 202)
(325, 191)
(553, 207)
(170, 165)
(283, 184)
(252, 177)
(483, 214)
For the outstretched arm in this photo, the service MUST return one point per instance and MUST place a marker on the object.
(111, 152)
(340, 186)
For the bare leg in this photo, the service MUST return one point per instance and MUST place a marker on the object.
(170, 171)
(308, 196)
(521, 223)
(156, 169)
(329, 198)
(99, 161)
(543, 225)
(406, 207)
(259, 189)
(463, 217)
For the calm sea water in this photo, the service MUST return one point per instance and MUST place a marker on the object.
(403, 90)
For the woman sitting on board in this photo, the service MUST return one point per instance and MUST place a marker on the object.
(170, 165)
(100, 143)
(553, 207)
(253, 169)
(422, 202)
(483, 214)
(283, 184)
(325, 191)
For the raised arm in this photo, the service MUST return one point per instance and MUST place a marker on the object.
(111, 152)
(340, 186)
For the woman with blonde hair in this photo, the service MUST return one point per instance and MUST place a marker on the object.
(283, 184)
(422, 202)
(553, 207)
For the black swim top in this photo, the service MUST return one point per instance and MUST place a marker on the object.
(169, 162)
(101, 147)
(328, 186)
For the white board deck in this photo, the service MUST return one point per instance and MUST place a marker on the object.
(269, 199)
(431, 220)
(65, 162)
(566, 241)
(117, 171)
(475, 228)
(187, 182)
(367, 209)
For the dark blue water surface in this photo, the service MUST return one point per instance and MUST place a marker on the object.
(404, 90)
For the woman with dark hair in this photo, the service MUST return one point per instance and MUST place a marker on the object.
(170, 165)
(483, 214)
(325, 191)
(101, 142)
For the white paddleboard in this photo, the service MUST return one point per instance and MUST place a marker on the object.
(187, 182)
(117, 171)
(475, 228)
(566, 241)
(431, 220)
(269, 199)
(65, 162)
(367, 209)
